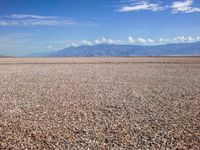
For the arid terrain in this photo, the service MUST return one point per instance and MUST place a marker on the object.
(100, 103)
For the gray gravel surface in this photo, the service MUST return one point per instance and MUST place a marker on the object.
(100, 103)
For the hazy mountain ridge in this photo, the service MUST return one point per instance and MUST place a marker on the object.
(183, 49)
(2, 56)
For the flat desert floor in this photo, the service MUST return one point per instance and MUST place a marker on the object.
(100, 103)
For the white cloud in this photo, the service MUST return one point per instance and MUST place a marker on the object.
(143, 5)
(86, 42)
(142, 40)
(97, 42)
(150, 41)
(181, 39)
(198, 38)
(74, 44)
(49, 47)
(17, 43)
(104, 40)
(163, 40)
(34, 20)
(190, 39)
(131, 40)
(111, 41)
(24, 16)
(184, 6)
(138, 41)
(8, 23)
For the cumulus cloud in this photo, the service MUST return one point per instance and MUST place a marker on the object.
(184, 6)
(163, 40)
(131, 40)
(34, 20)
(104, 40)
(150, 41)
(135, 41)
(184, 39)
(138, 41)
(179, 39)
(86, 42)
(141, 40)
(143, 5)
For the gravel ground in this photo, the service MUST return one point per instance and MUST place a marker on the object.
(100, 103)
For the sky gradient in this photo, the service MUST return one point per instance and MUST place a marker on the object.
(31, 26)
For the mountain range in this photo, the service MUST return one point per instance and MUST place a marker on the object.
(2, 56)
(179, 49)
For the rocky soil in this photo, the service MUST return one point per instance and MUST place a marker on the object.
(100, 103)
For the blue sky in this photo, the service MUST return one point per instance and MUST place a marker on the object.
(31, 26)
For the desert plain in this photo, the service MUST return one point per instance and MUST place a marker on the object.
(100, 103)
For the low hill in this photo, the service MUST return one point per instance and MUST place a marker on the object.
(2, 56)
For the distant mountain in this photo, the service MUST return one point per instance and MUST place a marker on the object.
(183, 49)
(1, 56)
